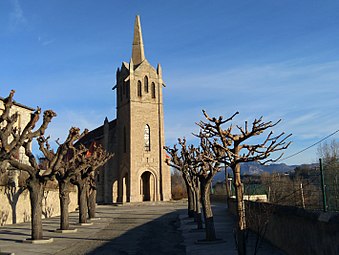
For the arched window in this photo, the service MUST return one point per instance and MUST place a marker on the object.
(120, 92)
(153, 90)
(147, 138)
(139, 89)
(146, 84)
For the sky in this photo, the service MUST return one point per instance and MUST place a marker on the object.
(276, 59)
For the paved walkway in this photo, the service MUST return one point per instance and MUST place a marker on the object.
(149, 228)
(224, 223)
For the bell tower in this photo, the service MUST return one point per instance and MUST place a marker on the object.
(143, 174)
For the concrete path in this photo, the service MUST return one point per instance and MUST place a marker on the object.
(149, 228)
(224, 224)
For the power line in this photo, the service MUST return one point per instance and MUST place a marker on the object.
(295, 154)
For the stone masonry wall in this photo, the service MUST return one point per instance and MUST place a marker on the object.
(15, 206)
(294, 230)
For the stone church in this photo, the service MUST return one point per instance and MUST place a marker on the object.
(138, 171)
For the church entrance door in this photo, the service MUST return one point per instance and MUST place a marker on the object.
(147, 186)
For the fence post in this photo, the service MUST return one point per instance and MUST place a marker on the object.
(323, 185)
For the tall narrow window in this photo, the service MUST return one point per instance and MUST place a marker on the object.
(125, 140)
(120, 92)
(139, 89)
(147, 138)
(146, 84)
(153, 90)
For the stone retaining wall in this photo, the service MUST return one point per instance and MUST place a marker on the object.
(15, 205)
(294, 230)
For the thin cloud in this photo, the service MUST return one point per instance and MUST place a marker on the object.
(17, 17)
(303, 95)
(45, 42)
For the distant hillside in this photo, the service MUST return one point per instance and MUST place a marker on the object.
(254, 168)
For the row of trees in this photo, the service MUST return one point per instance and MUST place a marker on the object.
(223, 147)
(70, 163)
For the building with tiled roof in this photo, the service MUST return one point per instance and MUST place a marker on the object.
(24, 116)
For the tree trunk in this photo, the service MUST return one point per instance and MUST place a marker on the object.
(205, 186)
(190, 194)
(241, 224)
(197, 208)
(228, 188)
(92, 203)
(64, 203)
(36, 195)
(82, 199)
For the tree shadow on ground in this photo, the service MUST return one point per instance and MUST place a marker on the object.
(158, 236)
(13, 193)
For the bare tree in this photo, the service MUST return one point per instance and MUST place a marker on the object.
(183, 162)
(11, 139)
(206, 164)
(236, 151)
(88, 162)
(64, 163)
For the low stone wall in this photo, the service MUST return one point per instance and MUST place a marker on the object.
(15, 205)
(294, 230)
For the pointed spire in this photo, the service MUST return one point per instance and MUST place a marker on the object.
(138, 54)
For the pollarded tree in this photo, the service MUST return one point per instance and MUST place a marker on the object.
(64, 163)
(238, 149)
(182, 161)
(11, 140)
(206, 163)
(88, 163)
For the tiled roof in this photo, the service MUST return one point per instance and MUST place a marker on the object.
(20, 105)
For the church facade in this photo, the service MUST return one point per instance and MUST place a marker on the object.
(138, 171)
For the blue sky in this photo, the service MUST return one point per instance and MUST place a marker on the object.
(278, 59)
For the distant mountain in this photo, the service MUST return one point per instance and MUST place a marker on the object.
(254, 168)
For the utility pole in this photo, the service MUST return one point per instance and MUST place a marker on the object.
(323, 185)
